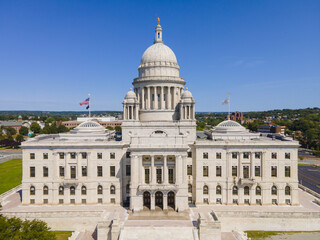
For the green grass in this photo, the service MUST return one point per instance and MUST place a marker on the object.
(62, 235)
(255, 235)
(10, 174)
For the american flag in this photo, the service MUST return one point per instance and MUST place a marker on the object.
(85, 102)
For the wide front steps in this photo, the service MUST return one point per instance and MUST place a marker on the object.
(158, 225)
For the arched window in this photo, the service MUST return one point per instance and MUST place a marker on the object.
(258, 191)
(287, 190)
(72, 190)
(99, 189)
(218, 190)
(128, 188)
(246, 190)
(205, 189)
(112, 189)
(61, 190)
(83, 190)
(189, 188)
(32, 190)
(235, 190)
(274, 190)
(45, 190)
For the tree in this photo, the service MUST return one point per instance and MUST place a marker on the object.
(19, 138)
(118, 129)
(15, 228)
(109, 128)
(24, 131)
(11, 131)
(35, 127)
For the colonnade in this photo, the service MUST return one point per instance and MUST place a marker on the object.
(187, 112)
(158, 97)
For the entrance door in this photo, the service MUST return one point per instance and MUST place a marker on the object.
(146, 199)
(159, 199)
(171, 200)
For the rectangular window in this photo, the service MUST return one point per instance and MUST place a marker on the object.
(234, 155)
(128, 170)
(61, 155)
(159, 175)
(189, 154)
(234, 171)
(112, 155)
(83, 201)
(218, 201)
(32, 171)
(99, 171)
(205, 200)
(60, 201)
(205, 155)
(99, 155)
(73, 155)
(205, 171)
(45, 172)
(273, 171)
(274, 201)
(258, 201)
(246, 201)
(170, 173)
(287, 155)
(245, 171)
(189, 170)
(73, 172)
(274, 155)
(99, 200)
(84, 171)
(112, 200)
(45, 201)
(72, 201)
(32, 156)
(84, 155)
(257, 172)
(147, 175)
(218, 155)
(61, 171)
(32, 201)
(112, 171)
(45, 155)
(287, 171)
(246, 155)
(218, 171)
(257, 155)
(128, 154)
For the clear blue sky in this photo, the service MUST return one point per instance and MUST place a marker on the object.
(265, 53)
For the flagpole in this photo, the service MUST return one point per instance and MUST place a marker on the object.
(229, 107)
(89, 107)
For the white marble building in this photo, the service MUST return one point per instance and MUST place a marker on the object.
(160, 162)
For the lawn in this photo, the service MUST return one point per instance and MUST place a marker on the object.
(10, 174)
(62, 235)
(255, 235)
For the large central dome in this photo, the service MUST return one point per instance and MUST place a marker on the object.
(159, 61)
(159, 52)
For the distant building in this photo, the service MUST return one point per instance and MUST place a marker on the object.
(236, 116)
(101, 119)
(73, 124)
(272, 129)
(14, 124)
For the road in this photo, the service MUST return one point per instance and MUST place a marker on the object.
(5, 154)
(309, 176)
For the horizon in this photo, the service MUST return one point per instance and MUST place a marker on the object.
(266, 54)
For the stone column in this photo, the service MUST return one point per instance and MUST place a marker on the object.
(185, 113)
(153, 202)
(141, 171)
(142, 99)
(148, 100)
(178, 169)
(174, 97)
(124, 112)
(169, 99)
(156, 105)
(165, 201)
(165, 170)
(161, 99)
(153, 171)
(251, 165)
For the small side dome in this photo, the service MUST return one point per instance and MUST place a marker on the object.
(130, 95)
(229, 126)
(186, 94)
(89, 124)
(88, 127)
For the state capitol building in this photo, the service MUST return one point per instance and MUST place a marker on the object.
(160, 162)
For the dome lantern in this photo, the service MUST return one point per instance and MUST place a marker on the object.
(158, 37)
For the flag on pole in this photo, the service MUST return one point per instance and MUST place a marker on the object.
(226, 101)
(85, 102)
(88, 107)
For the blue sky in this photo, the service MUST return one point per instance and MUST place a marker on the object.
(265, 53)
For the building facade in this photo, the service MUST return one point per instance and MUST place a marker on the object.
(160, 162)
